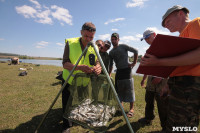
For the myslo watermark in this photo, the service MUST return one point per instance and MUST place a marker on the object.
(184, 129)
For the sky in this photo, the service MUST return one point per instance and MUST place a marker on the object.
(40, 27)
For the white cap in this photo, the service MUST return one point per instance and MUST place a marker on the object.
(147, 33)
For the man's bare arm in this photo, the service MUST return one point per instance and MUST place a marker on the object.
(189, 58)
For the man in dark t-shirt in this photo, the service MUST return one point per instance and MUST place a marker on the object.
(123, 78)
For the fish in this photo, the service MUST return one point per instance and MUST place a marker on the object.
(94, 115)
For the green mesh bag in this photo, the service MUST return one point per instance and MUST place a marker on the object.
(92, 103)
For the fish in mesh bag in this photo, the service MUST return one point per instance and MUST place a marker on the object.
(93, 115)
(91, 103)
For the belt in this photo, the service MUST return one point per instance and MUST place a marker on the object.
(184, 79)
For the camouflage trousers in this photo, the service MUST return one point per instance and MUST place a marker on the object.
(184, 104)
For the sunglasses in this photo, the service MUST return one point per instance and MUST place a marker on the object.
(107, 46)
(89, 28)
(99, 45)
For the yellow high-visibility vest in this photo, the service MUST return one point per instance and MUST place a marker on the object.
(75, 52)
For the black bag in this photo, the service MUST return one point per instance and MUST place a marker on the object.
(59, 77)
(24, 73)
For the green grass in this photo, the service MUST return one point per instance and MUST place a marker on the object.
(25, 99)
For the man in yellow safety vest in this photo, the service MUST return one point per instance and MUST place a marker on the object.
(88, 63)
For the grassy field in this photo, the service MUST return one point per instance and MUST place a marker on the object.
(25, 99)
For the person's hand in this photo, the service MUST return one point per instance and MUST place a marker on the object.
(110, 74)
(149, 60)
(156, 80)
(164, 91)
(85, 68)
(142, 84)
(131, 65)
(97, 69)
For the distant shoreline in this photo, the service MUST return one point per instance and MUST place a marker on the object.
(10, 55)
(29, 57)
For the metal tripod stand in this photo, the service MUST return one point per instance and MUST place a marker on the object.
(66, 81)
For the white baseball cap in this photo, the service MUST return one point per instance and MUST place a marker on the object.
(147, 33)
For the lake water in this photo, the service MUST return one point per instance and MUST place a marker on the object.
(41, 62)
(58, 63)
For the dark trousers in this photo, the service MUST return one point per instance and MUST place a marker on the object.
(149, 108)
(65, 97)
(162, 106)
(122, 74)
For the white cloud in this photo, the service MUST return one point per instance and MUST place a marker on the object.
(42, 44)
(60, 44)
(39, 16)
(43, 17)
(62, 14)
(127, 39)
(1, 39)
(26, 11)
(2, 0)
(138, 35)
(44, 14)
(104, 37)
(114, 20)
(36, 3)
(158, 31)
(135, 3)
(114, 29)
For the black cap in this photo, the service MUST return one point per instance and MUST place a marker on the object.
(115, 35)
(108, 43)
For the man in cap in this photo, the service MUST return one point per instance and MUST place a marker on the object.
(184, 81)
(73, 50)
(147, 34)
(99, 43)
(103, 48)
(123, 78)
(153, 91)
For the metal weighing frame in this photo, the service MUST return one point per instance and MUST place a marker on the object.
(66, 81)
